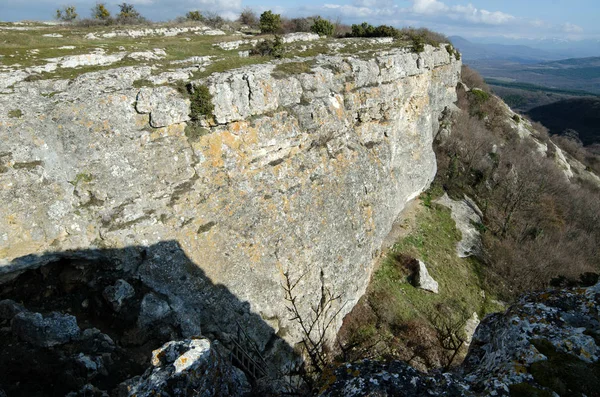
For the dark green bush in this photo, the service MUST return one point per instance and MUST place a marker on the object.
(418, 43)
(322, 27)
(201, 102)
(273, 48)
(363, 30)
(269, 22)
(386, 31)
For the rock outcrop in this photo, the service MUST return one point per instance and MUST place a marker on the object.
(467, 217)
(188, 367)
(545, 343)
(424, 280)
(300, 174)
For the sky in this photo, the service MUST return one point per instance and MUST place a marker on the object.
(510, 19)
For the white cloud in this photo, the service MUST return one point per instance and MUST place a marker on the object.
(571, 28)
(373, 3)
(461, 12)
(428, 7)
(356, 11)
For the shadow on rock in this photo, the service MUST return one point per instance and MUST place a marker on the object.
(133, 321)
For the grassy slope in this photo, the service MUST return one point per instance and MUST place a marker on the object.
(16, 46)
(434, 242)
(393, 304)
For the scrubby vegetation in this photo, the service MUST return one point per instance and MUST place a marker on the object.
(273, 48)
(539, 230)
(322, 27)
(67, 14)
(538, 224)
(99, 11)
(291, 68)
(249, 18)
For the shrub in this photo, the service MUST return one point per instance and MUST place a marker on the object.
(128, 15)
(274, 48)
(322, 27)
(269, 22)
(201, 102)
(194, 16)
(386, 31)
(367, 30)
(363, 30)
(248, 18)
(100, 12)
(67, 14)
(213, 19)
(453, 51)
(473, 79)
(418, 43)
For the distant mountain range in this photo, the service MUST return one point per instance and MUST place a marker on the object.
(516, 53)
(525, 51)
(518, 64)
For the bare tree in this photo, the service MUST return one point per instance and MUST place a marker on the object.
(314, 324)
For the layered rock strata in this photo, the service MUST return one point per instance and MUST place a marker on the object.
(297, 174)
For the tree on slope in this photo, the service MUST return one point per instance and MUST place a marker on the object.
(269, 22)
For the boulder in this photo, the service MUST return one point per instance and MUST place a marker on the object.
(424, 281)
(118, 293)
(545, 344)
(45, 330)
(189, 367)
(396, 378)
(96, 342)
(152, 310)
(9, 309)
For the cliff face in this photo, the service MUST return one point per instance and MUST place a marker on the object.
(300, 173)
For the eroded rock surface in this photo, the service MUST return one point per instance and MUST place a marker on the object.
(189, 367)
(467, 217)
(298, 173)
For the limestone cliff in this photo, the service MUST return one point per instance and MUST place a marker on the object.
(300, 173)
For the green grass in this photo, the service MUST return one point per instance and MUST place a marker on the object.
(434, 242)
(292, 68)
(17, 45)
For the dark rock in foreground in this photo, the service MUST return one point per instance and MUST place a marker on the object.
(547, 342)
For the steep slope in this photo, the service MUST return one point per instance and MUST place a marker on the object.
(296, 174)
(546, 342)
